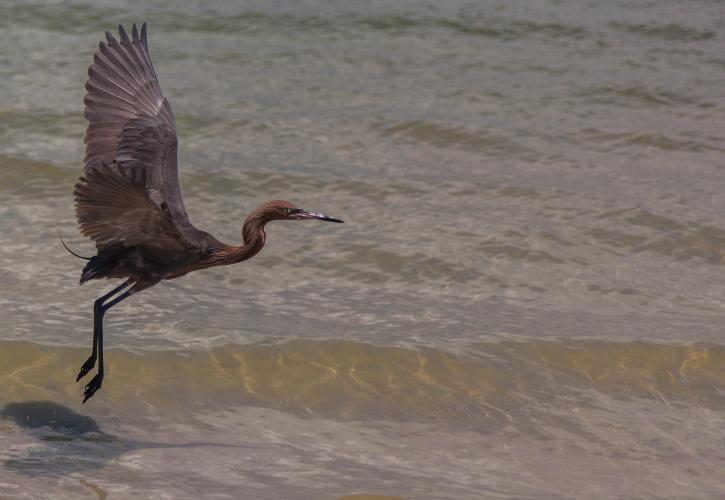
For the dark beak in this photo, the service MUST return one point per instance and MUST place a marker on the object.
(312, 215)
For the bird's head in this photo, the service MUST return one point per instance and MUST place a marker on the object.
(284, 210)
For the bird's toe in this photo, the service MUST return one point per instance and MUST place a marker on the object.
(87, 366)
(92, 387)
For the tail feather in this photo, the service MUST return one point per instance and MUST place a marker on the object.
(99, 266)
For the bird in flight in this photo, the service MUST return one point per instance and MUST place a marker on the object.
(128, 200)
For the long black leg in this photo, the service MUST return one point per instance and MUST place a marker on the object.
(97, 326)
(97, 381)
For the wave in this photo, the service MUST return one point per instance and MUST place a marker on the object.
(86, 19)
(457, 137)
(490, 384)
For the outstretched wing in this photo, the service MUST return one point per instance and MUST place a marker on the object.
(114, 210)
(129, 193)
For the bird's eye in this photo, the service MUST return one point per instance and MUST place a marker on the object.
(291, 211)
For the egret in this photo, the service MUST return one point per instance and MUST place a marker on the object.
(128, 200)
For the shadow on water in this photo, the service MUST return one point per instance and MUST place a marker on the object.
(60, 419)
(64, 441)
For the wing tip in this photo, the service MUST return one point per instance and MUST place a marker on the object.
(136, 35)
(122, 33)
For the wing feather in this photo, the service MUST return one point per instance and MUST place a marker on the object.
(129, 193)
(114, 210)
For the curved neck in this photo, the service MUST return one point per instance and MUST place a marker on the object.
(253, 236)
(253, 233)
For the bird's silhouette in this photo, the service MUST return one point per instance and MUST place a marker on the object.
(129, 201)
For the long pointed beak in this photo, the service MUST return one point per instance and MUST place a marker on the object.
(312, 215)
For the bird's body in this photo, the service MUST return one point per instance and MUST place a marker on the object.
(129, 201)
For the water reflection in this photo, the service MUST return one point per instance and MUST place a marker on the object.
(59, 419)
(63, 441)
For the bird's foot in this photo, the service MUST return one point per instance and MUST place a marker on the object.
(93, 386)
(87, 366)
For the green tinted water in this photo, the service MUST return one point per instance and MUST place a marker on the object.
(525, 300)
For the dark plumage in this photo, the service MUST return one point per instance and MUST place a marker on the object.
(129, 201)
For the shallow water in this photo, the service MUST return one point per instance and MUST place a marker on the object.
(525, 300)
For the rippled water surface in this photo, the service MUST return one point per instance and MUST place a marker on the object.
(526, 300)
